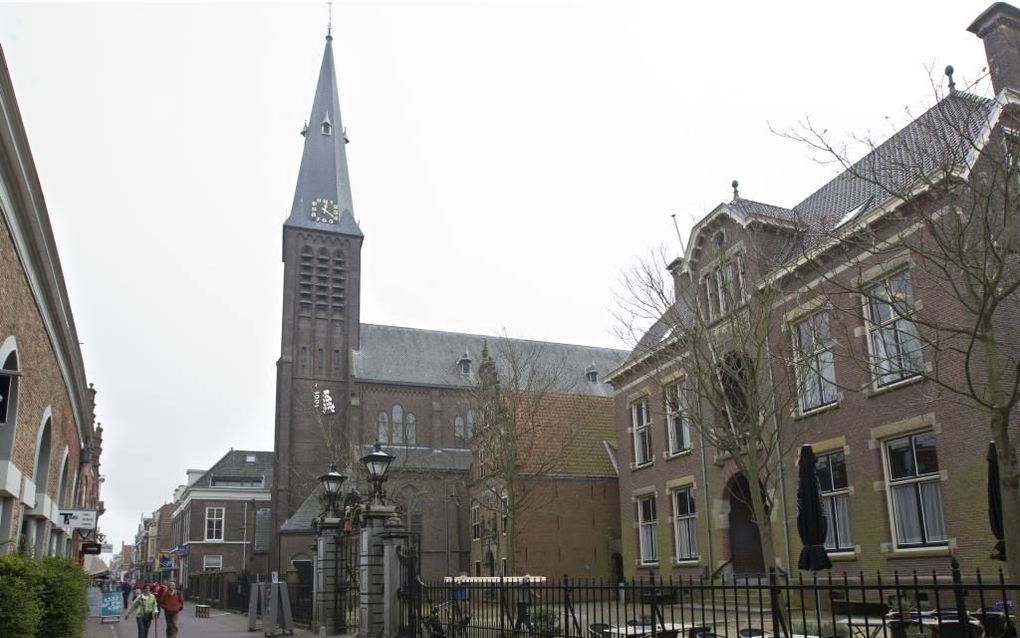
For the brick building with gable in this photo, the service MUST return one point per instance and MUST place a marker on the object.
(902, 463)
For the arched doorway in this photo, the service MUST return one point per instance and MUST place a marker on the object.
(616, 568)
(490, 563)
(745, 543)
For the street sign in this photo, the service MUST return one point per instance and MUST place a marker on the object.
(77, 519)
(91, 548)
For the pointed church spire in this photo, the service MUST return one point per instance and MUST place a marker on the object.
(322, 198)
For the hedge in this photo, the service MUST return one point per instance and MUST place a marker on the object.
(42, 598)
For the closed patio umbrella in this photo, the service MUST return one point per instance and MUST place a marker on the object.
(995, 503)
(811, 523)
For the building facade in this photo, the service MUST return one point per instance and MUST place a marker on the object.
(49, 442)
(859, 308)
(215, 519)
(343, 384)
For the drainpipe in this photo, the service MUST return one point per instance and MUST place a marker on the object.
(705, 493)
(244, 540)
(779, 448)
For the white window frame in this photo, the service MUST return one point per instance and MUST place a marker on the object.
(830, 498)
(807, 362)
(902, 373)
(211, 517)
(206, 567)
(677, 409)
(476, 522)
(648, 531)
(916, 480)
(685, 524)
(641, 426)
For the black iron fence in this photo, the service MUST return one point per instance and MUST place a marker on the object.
(947, 605)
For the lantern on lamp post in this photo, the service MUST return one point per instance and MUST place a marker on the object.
(376, 463)
(331, 482)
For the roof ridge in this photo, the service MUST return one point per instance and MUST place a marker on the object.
(502, 338)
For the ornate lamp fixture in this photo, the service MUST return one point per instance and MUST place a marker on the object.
(376, 463)
(331, 482)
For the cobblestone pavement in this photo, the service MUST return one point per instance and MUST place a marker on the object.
(219, 623)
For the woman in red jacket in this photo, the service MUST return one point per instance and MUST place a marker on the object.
(171, 602)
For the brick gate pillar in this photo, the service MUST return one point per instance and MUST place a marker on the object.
(325, 584)
(394, 539)
(372, 607)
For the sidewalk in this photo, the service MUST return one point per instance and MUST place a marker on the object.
(219, 623)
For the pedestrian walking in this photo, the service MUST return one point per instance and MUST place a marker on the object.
(146, 605)
(171, 602)
(125, 590)
(525, 596)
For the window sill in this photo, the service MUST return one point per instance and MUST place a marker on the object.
(635, 467)
(687, 562)
(644, 564)
(669, 456)
(804, 414)
(843, 554)
(921, 552)
(873, 391)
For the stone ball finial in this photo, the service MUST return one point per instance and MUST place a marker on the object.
(949, 74)
(736, 192)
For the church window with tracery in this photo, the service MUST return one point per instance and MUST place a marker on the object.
(383, 428)
(397, 430)
(410, 435)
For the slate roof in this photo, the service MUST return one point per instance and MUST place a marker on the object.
(940, 137)
(301, 520)
(323, 173)
(391, 354)
(234, 464)
(751, 208)
(433, 459)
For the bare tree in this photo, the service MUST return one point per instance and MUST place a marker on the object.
(713, 354)
(940, 200)
(521, 439)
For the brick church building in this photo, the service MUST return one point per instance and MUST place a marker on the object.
(410, 389)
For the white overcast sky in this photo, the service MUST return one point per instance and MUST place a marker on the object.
(508, 160)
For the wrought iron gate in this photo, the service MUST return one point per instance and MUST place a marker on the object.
(410, 592)
(340, 607)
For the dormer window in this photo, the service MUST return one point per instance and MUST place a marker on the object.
(464, 363)
(592, 374)
(327, 128)
(722, 287)
(250, 458)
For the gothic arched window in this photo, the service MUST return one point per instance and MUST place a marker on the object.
(383, 433)
(410, 435)
(412, 506)
(470, 430)
(398, 424)
(458, 429)
(9, 374)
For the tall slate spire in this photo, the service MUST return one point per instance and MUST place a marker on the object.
(322, 198)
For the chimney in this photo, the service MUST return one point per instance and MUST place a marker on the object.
(999, 27)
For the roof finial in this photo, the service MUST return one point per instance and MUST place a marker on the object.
(736, 193)
(329, 24)
(949, 74)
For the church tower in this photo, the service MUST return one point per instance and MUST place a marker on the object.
(321, 294)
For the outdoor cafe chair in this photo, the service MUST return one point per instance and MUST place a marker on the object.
(598, 630)
(956, 629)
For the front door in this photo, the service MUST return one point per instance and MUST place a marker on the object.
(745, 543)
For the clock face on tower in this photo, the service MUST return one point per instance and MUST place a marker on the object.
(325, 211)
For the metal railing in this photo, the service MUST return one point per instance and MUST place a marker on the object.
(952, 604)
